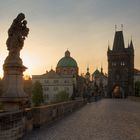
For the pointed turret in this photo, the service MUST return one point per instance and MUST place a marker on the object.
(131, 45)
(118, 41)
(108, 48)
(101, 69)
(88, 74)
(87, 71)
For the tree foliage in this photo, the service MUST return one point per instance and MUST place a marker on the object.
(37, 94)
(61, 96)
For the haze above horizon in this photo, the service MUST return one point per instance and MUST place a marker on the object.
(83, 26)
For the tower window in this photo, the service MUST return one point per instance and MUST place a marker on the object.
(114, 64)
(122, 63)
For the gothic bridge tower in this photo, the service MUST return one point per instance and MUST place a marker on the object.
(120, 68)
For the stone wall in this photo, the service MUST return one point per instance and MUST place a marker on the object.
(13, 125)
(49, 113)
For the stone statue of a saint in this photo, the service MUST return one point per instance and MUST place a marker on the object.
(17, 33)
(13, 96)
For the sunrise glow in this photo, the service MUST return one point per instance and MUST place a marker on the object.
(83, 27)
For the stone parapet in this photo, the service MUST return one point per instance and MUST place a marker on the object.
(12, 125)
(50, 113)
(15, 124)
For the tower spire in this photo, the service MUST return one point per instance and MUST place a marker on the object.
(115, 27)
(87, 67)
(121, 27)
(108, 45)
(88, 74)
(131, 45)
(101, 69)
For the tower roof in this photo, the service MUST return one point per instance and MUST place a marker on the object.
(131, 45)
(118, 44)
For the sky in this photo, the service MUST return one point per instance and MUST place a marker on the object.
(84, 27)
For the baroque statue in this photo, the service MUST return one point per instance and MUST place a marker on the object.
(17, 34)
(13, 96)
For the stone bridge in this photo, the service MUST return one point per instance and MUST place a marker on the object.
(107, 119)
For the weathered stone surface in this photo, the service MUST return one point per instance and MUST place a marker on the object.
(49, 113)
(13, 96)
(107, 119)
(12, 125)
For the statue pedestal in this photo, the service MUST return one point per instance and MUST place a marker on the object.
(13, 97)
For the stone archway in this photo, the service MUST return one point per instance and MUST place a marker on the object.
(117, 91)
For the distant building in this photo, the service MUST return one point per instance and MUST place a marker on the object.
(53, 83)
(80, 85)
(63, 79)
(120, 68)
(87, 76)
(136, 75)
(99, 77)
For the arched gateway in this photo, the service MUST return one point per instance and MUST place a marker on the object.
(118, 92)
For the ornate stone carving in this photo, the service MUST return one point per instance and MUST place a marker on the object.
(14, 96)
(17, 33)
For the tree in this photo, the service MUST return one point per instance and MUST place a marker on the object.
(37, 94)
(61, 96)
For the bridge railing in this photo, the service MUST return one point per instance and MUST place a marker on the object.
(14, 125)
(49, 113)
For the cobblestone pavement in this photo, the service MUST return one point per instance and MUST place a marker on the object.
(107, 119)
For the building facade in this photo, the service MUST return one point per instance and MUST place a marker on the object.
(99, 77)
(120, 68)
(52, 84)
(136, 75)
(63, 79)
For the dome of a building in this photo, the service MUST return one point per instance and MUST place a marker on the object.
(67, 61)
